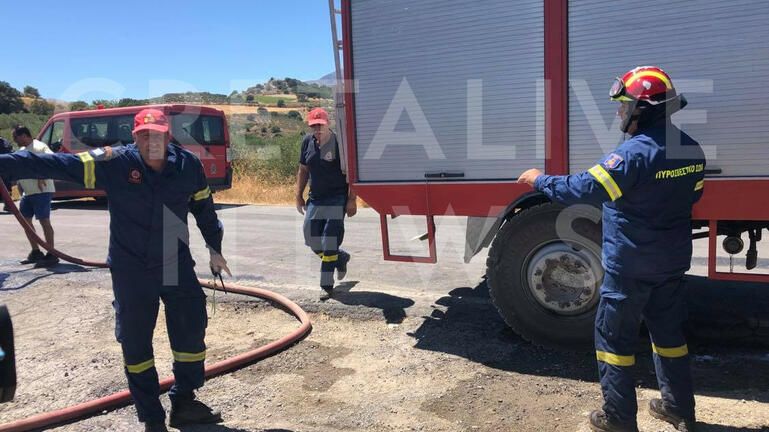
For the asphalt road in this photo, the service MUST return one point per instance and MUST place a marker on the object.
(264, 247)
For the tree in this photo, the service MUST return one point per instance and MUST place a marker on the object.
(42, 107)
(126, 102)
(10, 99)
(275, 129)
(249, 98)
(295, 115)
(78, 106)
(106, 103)
(32, 92)
(281, 103)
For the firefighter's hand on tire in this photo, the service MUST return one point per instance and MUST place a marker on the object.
(352, 208)
(301, 206)
(529, 176)
(218, 264)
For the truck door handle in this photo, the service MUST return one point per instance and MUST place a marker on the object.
(444, 174)
(713, 171)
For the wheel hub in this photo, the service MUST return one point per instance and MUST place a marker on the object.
(565, 278)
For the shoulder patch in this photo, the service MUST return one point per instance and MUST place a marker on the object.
(613, 161)
(102, 153)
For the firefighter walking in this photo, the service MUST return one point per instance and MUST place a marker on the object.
(151, 185)
(330, 200)
(647, 187)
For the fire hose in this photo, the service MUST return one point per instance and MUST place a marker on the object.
(122, 398)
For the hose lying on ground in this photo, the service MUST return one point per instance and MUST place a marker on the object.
(122, 398)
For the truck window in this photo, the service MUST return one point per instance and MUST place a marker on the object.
(102, 131)
(53, 135)
(197, 129)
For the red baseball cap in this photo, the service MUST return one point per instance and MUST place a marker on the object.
(151, 119)
(317, 116)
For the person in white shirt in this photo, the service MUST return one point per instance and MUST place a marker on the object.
(36, 200)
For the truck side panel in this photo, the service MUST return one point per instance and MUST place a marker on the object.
(717, 54)
(451, 87)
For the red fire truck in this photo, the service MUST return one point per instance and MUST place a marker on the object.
(201, 130)
(443, 103)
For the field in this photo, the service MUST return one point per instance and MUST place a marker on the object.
(249, 109)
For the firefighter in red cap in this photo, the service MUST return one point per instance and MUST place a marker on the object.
(152, 185)
(647, 188)
(330, 199)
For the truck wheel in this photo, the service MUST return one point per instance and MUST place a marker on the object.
(545, 280)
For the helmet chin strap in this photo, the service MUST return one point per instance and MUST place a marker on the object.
(649, 114)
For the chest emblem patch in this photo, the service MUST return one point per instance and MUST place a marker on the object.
(328, 157)
(135, 176)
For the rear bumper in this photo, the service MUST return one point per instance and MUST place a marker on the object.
(222, 183)
(69, 190)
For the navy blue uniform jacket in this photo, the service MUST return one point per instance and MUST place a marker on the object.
(648, 187)
(148, 210)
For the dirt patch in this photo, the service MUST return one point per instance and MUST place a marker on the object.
(310, 360)
(459, 369)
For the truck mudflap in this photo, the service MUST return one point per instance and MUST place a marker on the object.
(482, 230)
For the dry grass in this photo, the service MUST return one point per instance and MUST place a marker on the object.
(253, 190)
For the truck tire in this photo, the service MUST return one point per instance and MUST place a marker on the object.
(8, 362)
(544, 274)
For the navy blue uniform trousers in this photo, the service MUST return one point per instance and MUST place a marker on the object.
(662, 306)
(137, 295)
(324, 233)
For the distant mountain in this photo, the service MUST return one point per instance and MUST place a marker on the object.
(326, 80)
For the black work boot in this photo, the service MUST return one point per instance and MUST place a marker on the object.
(34, 257)
(155, 427)
(49, 260)
(659, 410)
(326, 293)
(341, 268)
(187, 411)
(600, 422)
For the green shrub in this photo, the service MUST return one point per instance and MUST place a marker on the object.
(33, 121)
(294, 115)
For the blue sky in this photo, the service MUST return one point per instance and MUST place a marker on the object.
(91, 50)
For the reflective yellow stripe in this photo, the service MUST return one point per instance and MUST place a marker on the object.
(676, 352)
(700, 184)
(330, 258)
(189, 357)
(89, 170)
(622, 99)
(606, 181)
(320, 255)
(140, 367)
(202, 194)
(614, 359)
(642, 74)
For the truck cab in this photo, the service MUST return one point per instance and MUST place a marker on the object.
(201, 130)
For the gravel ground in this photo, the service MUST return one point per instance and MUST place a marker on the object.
(400, 347)
(458, 369)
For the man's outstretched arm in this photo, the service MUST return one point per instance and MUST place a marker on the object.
(79, 168)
